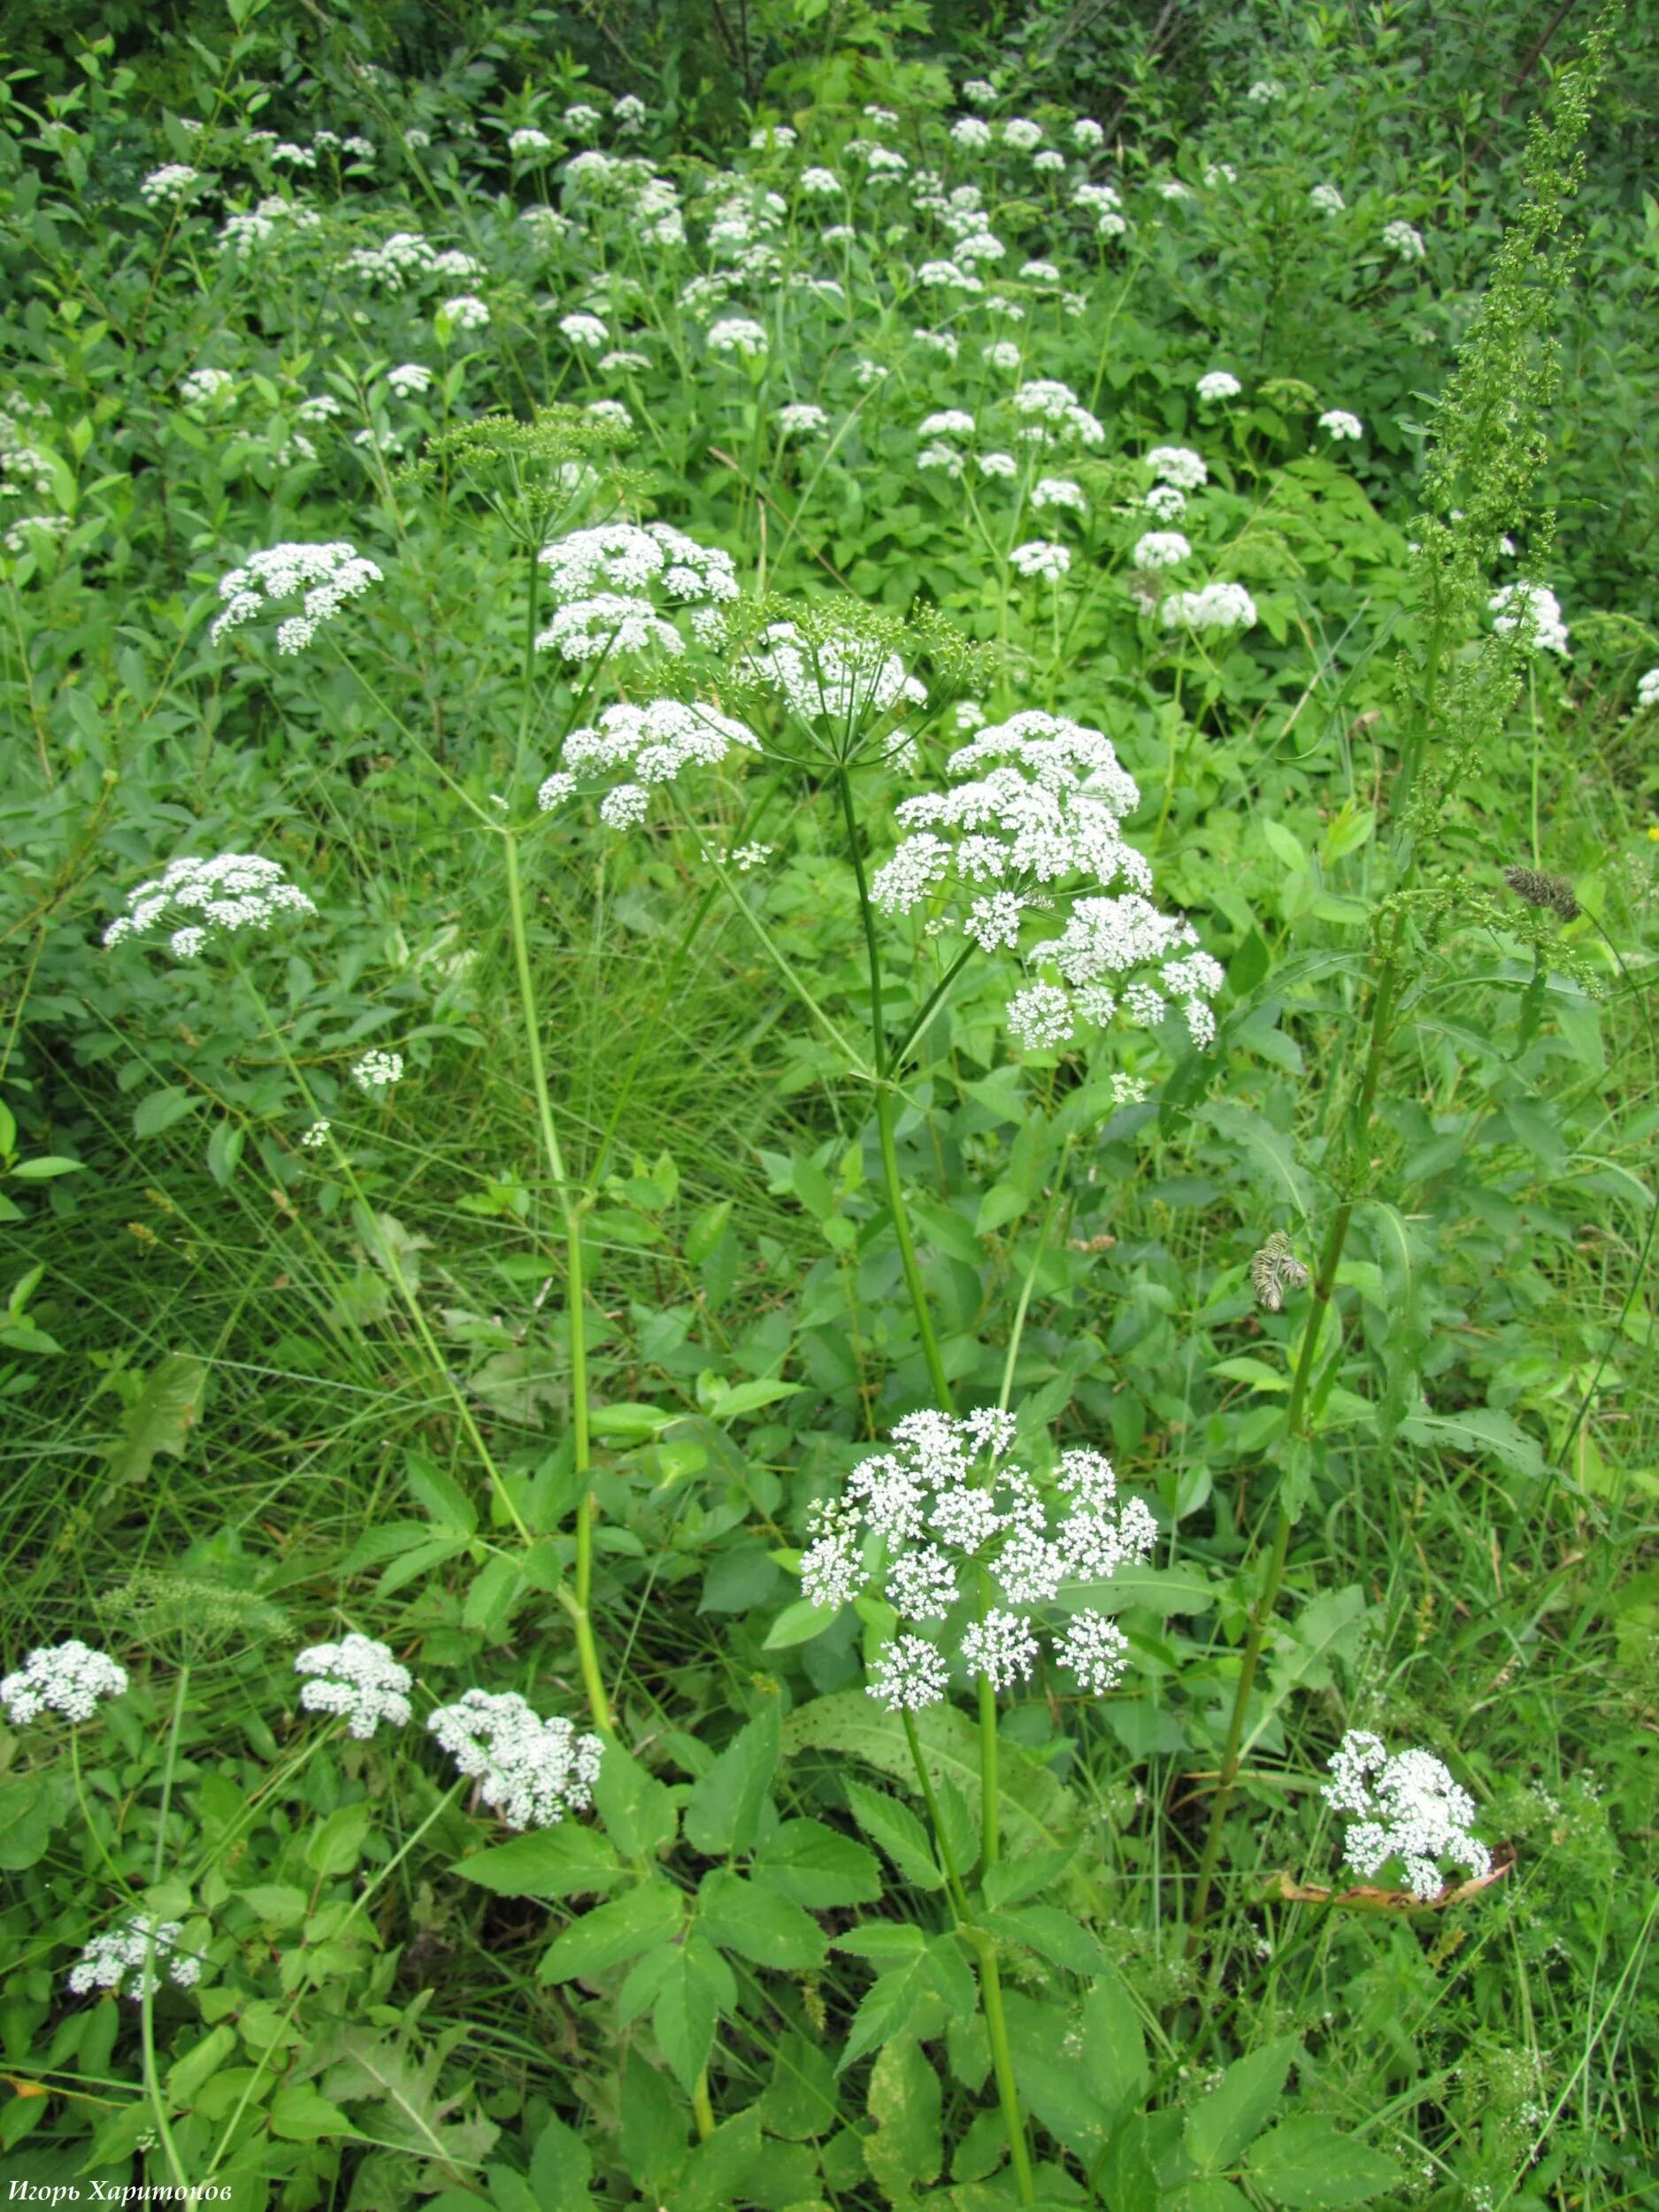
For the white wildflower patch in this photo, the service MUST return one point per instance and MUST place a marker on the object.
(1408, 1809)
(651, 745)
(377, 1071)
(325, 577)
(195, 903)
(530, 1771)
(126, 1962)
(945, 1517)
(621, 589)
(358, 1680)
(1534, 612)
(70, 1679)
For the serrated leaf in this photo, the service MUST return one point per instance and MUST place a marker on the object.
(302, 2113)
(1307, 2165)
(439, 1495)
(336, 1844)
(687, 2007)
(160, 1419)
(1222, 2126)
(637, 1810)
(561, 2167)
(894, 1829)
(817, 1867)
(615, 1932)
(572, 1859)
(906, 2149)
(752, 1919)
(162, 1108)
(723, 1814)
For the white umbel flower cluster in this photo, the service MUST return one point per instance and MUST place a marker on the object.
(1219, 384)
(377, 1071)
(1406, 1807)
(1534, 609)
(842, 680)
(1219, 606)
(124, 1960)
(653, 743)
(328, 575)
(531, 1771)
(1336, 422)
(943, 1518)
(600, 580)
(1041, 558)
(1041, 805)
(199, 900)
(1404, 238)
(1179, 466)
(357, 1679)
(68, 1679)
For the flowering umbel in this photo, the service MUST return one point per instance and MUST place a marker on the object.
(531, 1771)
(967, 1542)
(1409, 1808)
(357, 1679)
(124, 1960)
(68, 1679)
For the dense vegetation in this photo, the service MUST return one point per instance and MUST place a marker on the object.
(826, 1090)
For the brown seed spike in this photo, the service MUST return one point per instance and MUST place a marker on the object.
(1554, 892)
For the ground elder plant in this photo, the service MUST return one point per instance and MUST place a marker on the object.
(824, 1099)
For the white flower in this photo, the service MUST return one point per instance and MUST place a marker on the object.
(745, 858)
(585, 331)
(1049, 161)
(629, 112)
(945, 341)
(328, 575)
(1648, 689)
(357, 1678)
(1166, 503)
(1219, 384)
(1022, 134)
(1058, 491)
(528, 143)
(592, 620)
(1040, 1017)
(1095, 1650)
(939, 456)
(822, 182)
(298, 156)
(1161, 548)
(737, 334)
(1003, 464)
(317, 1136)
(771, 136)
(801, 419)
(1001, 353)
(911, 1674)
(580, 117)
(1339, 424)
(622, 361)
(531, 1771)
(1041, 558)
(1220, 172)
(653, 743)
(1535, 610)
(203, 386)
(1051, 411)
(1409, 1808)
(377, 1071)
(1328, 199)
(1403, 239)
(136, 1948)
(68, 1679)
(949, 422)
(1178, 465)
(1039, 273)
(1171, 188)
(972, 133)
(978, 92)
(842, 678)
(1086, 133)
(1219, 606)
(1001, 1647)
(1264, 91)
(466, 311)
(322, 408)
(174, 181)
(408, 378)
(195, 899)
(1112, 225)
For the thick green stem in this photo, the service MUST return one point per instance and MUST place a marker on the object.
(1293, 1441)
(884, 1113)
(152, 1957)
(990, 1837)
(571, 1208)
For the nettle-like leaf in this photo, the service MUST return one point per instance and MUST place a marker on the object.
(399, 2081)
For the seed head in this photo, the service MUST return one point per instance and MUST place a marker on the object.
(1554, 892)
(1274, 1270)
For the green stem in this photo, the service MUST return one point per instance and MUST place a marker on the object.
(703, 2109)
(86, 1810)
(147, 2021)
(990, 1836)
(884, 1111)
(1293, 1441)
(571, 1208)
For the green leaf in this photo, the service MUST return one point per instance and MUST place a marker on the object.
(1057, 2087)
(723, 1815)
(1114, 2046)
(45, 1167)
(798, 1623)
(1037, 1809)
(714, 2175)
(1052, 1934)
(26, 1821)
(1221, 2125)
(752, 1919)
(440, 1497)
(302, 2113)
(1162, 1591)
(224, 1151)
(162, 1108)
(192, 2072)
(561, 2167)
(906, 2150)
(1208, 2196)
(1479, 1433)
(931, 1985)
(160, 1418)
(894, 1828)
(638, 1811)
(611, 1932)
(801, 2101)
(337, 1845)
(817, 1867)
(1306, 2162)
(494, 1590)
(1010, 1881)
(687, 2005)
(568, 1861)
(279, 1904)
